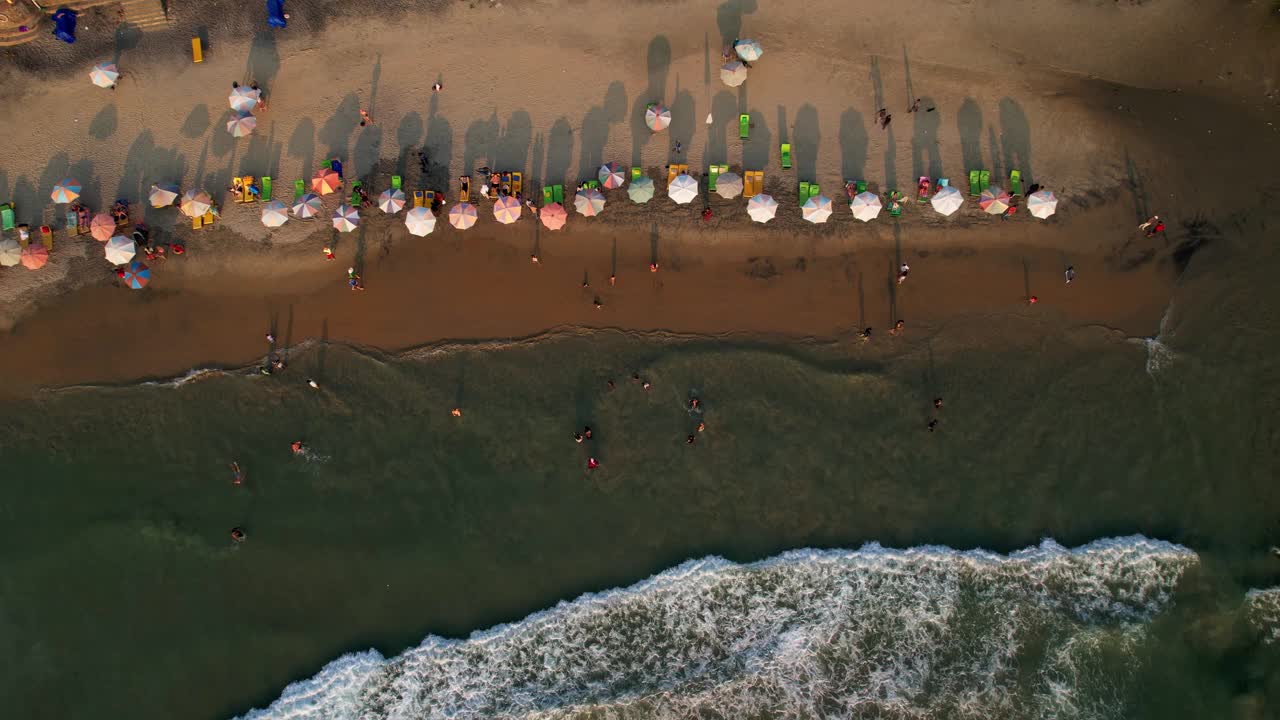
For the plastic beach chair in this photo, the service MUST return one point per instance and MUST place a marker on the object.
(943, 182)
(464, 188)
(557, 193)
(814, 191)
(636, 173)
(712, 174)
(922, 189)
(1015, 182)
(862, 186)
(266, 188)
(517, 184)
(804, 193)
(744, 125)
(895, 203)
(975, 183)
(984, 180)
(395, 182)
(547, 197)
(6, 216)
(299, 189)
(420, 199)
(355, 194)
(786, 156)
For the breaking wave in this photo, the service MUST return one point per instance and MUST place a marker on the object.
(1262, 608)
(1046, 632)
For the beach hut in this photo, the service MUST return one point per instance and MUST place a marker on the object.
(104, 75)
(325, 181)
(947, 200)
(748, 49)
(195, 203)
(391, 201)
(241, 125)
(657, 117)
(683, 189)
(762, 208)
(817, 209)
(865, 206)
(729, 186)
(553, 216)
(733, 73)
(611, 176)
(994, 200)
(589, 202)
(34, 256)
(420, 221)
(462, 215)
(345, 218)
(640, 190)
(1042, 203)
(162, 195)
(66, 191)
(308, 206)
(275, 214)
(506, 209)
(136, 275)
(10, 252)
(102, 227)
(120, 250)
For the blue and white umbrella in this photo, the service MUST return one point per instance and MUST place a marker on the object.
(683, 189)
(346, 218)
(748, 49)
(1042, 203)
(817, 209)
(244, 99)
(762, 208)
(104, 75)
(865, 206)
(640, 190)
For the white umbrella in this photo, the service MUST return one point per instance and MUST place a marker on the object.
(462, 215)
(104, 75)
(274, 214)
(506, 210)
(865, 206)
(243, 99)
(10, 252)
(195, 203)
(683, 189)
(640, 190)
(817, 209)
(308, 206)
(589, 202)
(994, 200)
(729, 186)
(346, 218)
(420, 221)
(391, 201)
(611, 176)
(241, 125)
(733, 73)
(162, 195)
(762, 208)
(947, 200)
(657, 117)
(1042, 203)
(120, 250)
(748, 49)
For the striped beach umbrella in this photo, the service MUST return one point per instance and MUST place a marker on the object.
(657, 117)
(553, 216)
(506, 209)
(66, 191)
(420, 221)
(102, 227)
(947, 200)
(243, 99)
(391, 201)
(120, 250)
(1042, 203)
(748, 49)
(762, 208)
(683, 189)
(10, 252)
(640, 190)
(241, 125)
(275, 214)
(611, 176)
(162, 195)
(865, 206)
(195, 203)
(589, 202)
(817, 209)
(729, 186)
(34, 256)
(137, 275)
(308, 206)
(994, 200)
(733, 73)
(346, 218)
(462, 215)
(104, 75)
(325, 181)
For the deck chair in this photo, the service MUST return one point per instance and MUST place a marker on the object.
(209, 216)
(430, 199)
(757, 186)
(396, 182)
(557, 193)
(1015, 182)
(327, 165)
(922, 189)
(237, 189)
(673, 171)
(786, 156)
(975, 183)
(517, 184)
(46, 237)
(73, 222)
(197, 222)
(682, 169)
(814, 190)
(506, 180)
(547, 199)
(355, 194)
(712, 174)
(636, 173)
(862, 186)
(464, 189)
(7, 217)
(299, 189)
(744, 126)
(984, 180)
(246, 182)
(804, 193)
(420, 199)
(943, 182)
(895, 203)
(266, 188)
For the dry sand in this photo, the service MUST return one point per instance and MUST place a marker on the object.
(1124, 109)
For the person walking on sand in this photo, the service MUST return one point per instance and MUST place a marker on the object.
(678, 147)
(437, 87)
(1070, 273)
(237, 475)
(1155, 229)
(365, 119)
(915, 106)
(1147, 225)
(903, 272)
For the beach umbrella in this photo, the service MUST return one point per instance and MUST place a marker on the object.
(947, 200)
(244, 99)
(506, 209)
(817, 209)
(120, 250)
(137, 275)
(657, 117)
(762, 208)
(611, 176)
(589, 202)
(729, 186)
(34, 256)
(733, 73)
(1042, 203)
(640, 190)
(553, 216)
(748, 49)
(10, 252)
(994, 200)
(102, 227)
(242, 125)
(865, 206)
(195, 203)
(275, 214)
(420, 221)
(162, 195)
(462, 215)
(346, 218)
(325, 181)
(683, 189)
(308, 206)
(66, 191)
(104, 75)
(391, 201)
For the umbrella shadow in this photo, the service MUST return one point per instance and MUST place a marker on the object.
(336, 131)
(134, 173)
(681, 127)
(222, 141)
(659, 65)
(478, 145)
(969, 124)
(439, 145)
(264, 60)
(729, 18)
(997, 156)
(595, 129)
(197, 122)
(408, 136)
(257, 156)
(559, 151)
(368, 149)
(511, 152)
(104, 123)
(537, 160)
(853, 145)
(724, 108)
(755, 154)
(1137, 188)
(127, 37)
(924, 142)
(806, 142)
(1015, 138)
(302, 145)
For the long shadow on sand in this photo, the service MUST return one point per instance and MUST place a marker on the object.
(264, 60)
(724, 108)
(335, 134)
(1015, 138)
(197, 122)
(755, 152)
(512, 149)
(559, 151)
(439, 145)
(479, 143)
(969, 124)
(595, 129)
(681, 128)
(806, 143)
(924, 141)
(853, 145)
(104, 123)
(659, 63)
(408, 136)
(302, 145)
(729, 18)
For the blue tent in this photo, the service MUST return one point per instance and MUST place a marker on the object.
(64, 25)
(275, 13)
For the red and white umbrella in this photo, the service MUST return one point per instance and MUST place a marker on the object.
(420, 221)
(241, 125)
(553, 216)
(162, 195)
(733, 73)
(1042, 203)
(34, 256)
(325, 182)
(462, 215)
(657, 117)
(994, 200)
(346, 218)
(865, 206)
(947, 200)
(611, 176)
(506, 209)
(102, 227)
(243, 99)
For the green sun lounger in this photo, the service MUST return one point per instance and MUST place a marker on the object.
(895, 203)
(355, 194)
(975, 183)
(557, 193)
(327, 164)
(804, 193)
(814, 190)
(299, 189)
(396, 182)
(636, 173)
(6, 216)
(547, 198)
(786, 156)
(593, 184)
(1015, 182)
(266, 188)
(712, 174)
(862, 186)
(984, 181)
(744, 126)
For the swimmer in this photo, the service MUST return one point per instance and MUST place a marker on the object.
(296, 447)
(635, 376)
(598, 303)
(902, 273)
(933, 424)
(865, 335)
(456, 412)
(1033, 300)
(702, 426)
(897, 327)
(937, 403)
(314, 385)
(645, 385)
(237, 475)
(613, 280)
(237, 534)
(592, 464)
(693, 403)
(271, 338)
(653, 267)
(609, 384)
(1070, 273)
(586, 431)
(534, 258)
(577, 437)
(689, 440)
